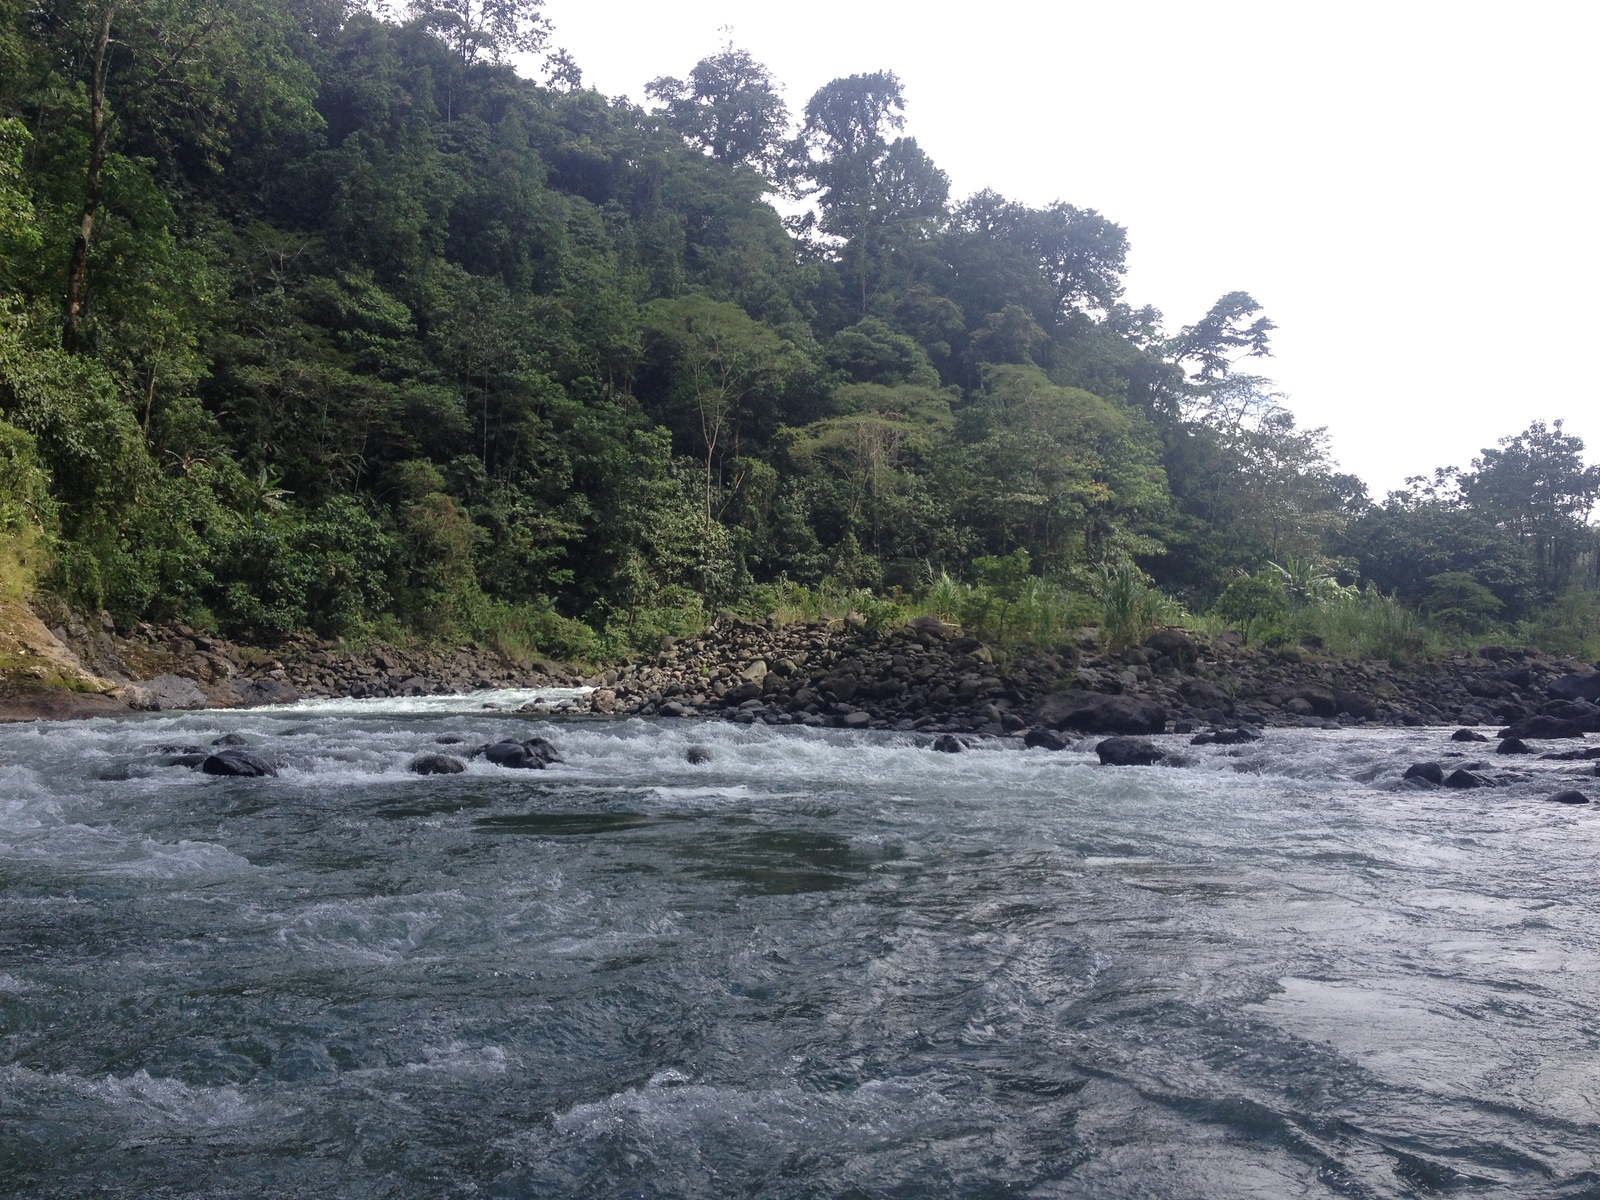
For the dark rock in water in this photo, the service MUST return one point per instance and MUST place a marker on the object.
(1543, 727)
(1431, 771)
(948, 743)
(172, 749)
(1046, 739)
(190, 760)
(1513, 746)
(671, 709)
(1580, 685)
(1467, 735)
(1570, 796)
(698, 754)
(1574, 755)
(1128, 752)
(113, 775)
(1093, 712)
(535, 754)
(1225, 737)
(1463, 778)
(448, 739)
(297, 731)
(230, 739)
(237, 763)
(436, 764)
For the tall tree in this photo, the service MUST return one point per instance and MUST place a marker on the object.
(729, 107)
(492, 29)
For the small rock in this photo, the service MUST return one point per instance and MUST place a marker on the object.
(448, 739)
(1430, 771)
(230, 739)
(948, 743)
(535, 754)
(1128, 752)
(236, 763)
(436, 764)
(857, 720)
(1570, 796)
(698, 754)
(1463, 778)
(1513, 746)
(1467, 735)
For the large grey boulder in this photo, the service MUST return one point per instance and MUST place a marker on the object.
(1094, 712)
(1128, 752)
(1580, 685)
(164, 693)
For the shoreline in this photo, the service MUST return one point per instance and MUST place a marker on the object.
(924, 676)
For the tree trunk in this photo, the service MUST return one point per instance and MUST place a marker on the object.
(78, 266)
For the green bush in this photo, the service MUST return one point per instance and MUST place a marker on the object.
(1250, 600)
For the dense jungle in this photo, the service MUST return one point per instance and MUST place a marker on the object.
(379, 323)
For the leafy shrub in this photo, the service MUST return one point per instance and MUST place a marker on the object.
(1250, 600)
(1130, 609)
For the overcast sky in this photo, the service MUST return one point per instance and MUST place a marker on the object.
(1405, 186)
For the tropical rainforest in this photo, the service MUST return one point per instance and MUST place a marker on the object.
(321, 318)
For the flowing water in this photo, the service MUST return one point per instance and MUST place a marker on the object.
(824, 964)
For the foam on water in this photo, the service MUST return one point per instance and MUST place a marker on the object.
(824, 962)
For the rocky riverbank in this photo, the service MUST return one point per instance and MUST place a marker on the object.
(923, 676)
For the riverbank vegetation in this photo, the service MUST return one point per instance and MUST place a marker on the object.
(313, 319)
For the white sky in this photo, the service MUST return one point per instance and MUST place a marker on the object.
(1405, 186)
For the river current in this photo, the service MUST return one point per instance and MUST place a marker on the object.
(826, 963)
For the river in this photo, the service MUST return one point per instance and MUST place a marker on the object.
(826, 963)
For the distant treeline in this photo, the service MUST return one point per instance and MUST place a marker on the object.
(312, 318)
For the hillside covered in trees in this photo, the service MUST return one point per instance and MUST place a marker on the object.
(315, 319)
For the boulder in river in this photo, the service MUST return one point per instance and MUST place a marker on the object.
(1467, 735)
(1432, 772)
(1128, 752)
(949, 743)
(231, 739)
(1093, 712)
(1543, 727)
(436, 764)
(1225, 737)
(237, 763)
(698, 754)
(1513, 746)
(1463, 778)
(535, 754)
(1570, 796)
(1046, 739)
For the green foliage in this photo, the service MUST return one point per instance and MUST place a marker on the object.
(1130, 609)
(1251, 600)
(311, 318)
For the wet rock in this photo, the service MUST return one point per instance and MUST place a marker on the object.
(1225, 737)
(435, 764)
(672, 709)
(238, 763)
(448, 739)
(1128, 752)
(1046, 739)
(1463, 778)
(1513, 746)
(535, 754)
(1467, 735)
(1093, 712)
(231, 739)
(856, 720)
(190, 760)
(698, 754)
(1543, 727)
(1430, 771)
(948, 743)
(1570, 796)
(164, 693)
(1575, 755)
